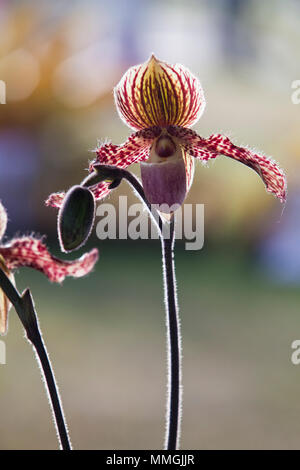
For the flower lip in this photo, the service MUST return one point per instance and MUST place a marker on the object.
(165, 184)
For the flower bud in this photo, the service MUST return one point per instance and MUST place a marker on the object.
(76, 218)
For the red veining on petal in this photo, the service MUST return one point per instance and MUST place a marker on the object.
(135, 149)
(33, 253)
(173, 93)
(134, 92)
(184, 105)
(142, 96)
(215, 145)
(159, 94)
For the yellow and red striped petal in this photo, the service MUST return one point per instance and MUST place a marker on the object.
(135, 149)
(216, 145)
(33, 253)
(159, 94)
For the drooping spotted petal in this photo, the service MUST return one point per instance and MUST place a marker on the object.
(135, 149)
(33, 253)
(3, 220)
(215, 145)
(159, 94)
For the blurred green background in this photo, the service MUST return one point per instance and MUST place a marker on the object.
(239, 296)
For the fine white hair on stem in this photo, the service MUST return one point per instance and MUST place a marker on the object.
(170, 289)
(44, 380)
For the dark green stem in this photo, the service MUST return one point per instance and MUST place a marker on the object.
(24, 307)
(172, 318)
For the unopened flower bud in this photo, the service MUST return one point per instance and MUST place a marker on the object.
(76, 218)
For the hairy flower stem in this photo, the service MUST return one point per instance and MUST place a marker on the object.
(172, 319)
(24, 307)
(167, 235)
(173, 337)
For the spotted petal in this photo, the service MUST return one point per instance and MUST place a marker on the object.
(33, 253)
(135, 149)
(55, 199)
(215, 145)
(159, 94)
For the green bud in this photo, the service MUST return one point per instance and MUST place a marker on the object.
(76, 218)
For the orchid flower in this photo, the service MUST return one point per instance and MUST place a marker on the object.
(33, 253)
(161, 102)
